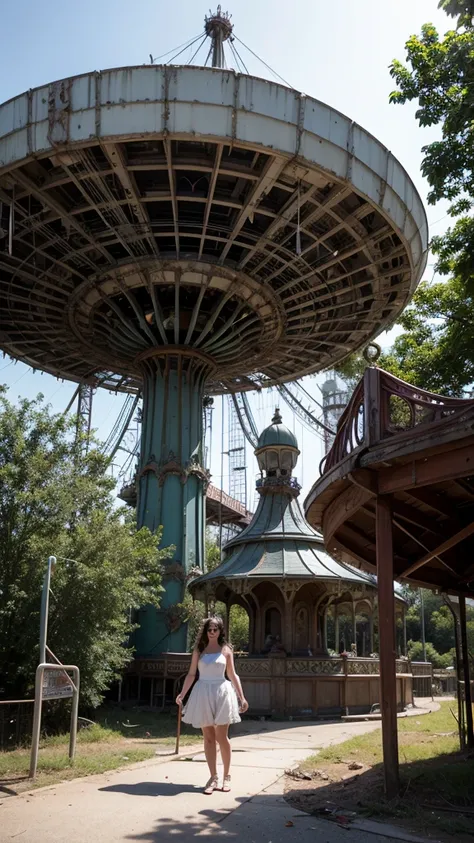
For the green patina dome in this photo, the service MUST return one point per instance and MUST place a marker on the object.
(277, 434)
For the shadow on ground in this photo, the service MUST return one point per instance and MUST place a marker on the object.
(141, 722)
(5, 790)
(151, 789)
(206, 822)
(433, 794)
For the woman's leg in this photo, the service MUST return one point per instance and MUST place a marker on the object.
(210, 750)
(225, 747)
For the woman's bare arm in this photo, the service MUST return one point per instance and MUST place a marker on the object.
(191, 675)
(234, 678)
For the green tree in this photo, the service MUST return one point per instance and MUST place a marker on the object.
(461, 9)
(238, 620)
(439, 625)
(213, 554)
(415, 653)
(239, 628)
(53, 501)
(436, 349)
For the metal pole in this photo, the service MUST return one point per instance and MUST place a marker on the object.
(36, 720)
(74, 713)
(466, 671)
(462, 734)
(45, 609)
(222, 475)
(422, 614)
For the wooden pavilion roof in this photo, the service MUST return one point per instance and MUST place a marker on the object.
(417, 448)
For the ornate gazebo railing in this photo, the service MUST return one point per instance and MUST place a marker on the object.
(384, 406)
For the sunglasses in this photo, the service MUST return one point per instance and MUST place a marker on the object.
(213, 629)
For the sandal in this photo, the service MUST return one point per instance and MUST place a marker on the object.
(210, 786)
(226, 784)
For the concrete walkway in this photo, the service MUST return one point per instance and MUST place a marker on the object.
(161, 800)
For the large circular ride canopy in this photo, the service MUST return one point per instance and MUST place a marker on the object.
(157, 206)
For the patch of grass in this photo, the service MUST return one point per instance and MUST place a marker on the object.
(419, 738)
(119, 737)
(368, 748)
(434, 776)
(95, 733)
(138, 724)
(54, 765)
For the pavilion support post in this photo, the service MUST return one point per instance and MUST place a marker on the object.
(288, 626)
(371, 621)
(466, 671)
(387, 645)
(227, 621)
(252, 644)
(459, 695)
(354, 627)
(404, 632)
(336, 630)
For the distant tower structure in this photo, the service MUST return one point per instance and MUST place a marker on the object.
(207, 408)
(236, 453)
(82, 398)
(84, 413)
(335, 398)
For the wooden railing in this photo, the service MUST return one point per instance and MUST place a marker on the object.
(384, 406)
(350, 430)
(176, 665)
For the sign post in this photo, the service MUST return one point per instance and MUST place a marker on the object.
(56, 689)
(52, 680)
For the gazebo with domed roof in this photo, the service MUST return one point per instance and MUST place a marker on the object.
(278, 570)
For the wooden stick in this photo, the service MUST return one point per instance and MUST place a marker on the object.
(452, 809)
(178, 730)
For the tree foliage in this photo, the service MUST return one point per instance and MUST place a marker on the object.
(238, 617)
(53, 501)
(436, 349)
(461, 9)
(415, 653)
(439, 628)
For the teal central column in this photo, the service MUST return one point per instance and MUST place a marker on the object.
(172, 484)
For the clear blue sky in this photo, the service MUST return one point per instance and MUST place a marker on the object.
(338, 52)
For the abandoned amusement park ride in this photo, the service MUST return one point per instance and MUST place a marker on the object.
(191, 231)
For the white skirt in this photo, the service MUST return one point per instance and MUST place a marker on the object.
(211, 703)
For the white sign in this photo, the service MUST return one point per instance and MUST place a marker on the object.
(56, 685)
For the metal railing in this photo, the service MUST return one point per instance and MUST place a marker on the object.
(383, 406)
(16, 723)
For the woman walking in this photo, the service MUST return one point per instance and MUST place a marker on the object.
(213, 703)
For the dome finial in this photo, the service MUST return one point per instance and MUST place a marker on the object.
(277, 419)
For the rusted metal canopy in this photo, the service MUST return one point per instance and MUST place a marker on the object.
(398, 442)
(151, 206)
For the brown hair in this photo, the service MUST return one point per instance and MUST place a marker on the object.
(203, 639)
